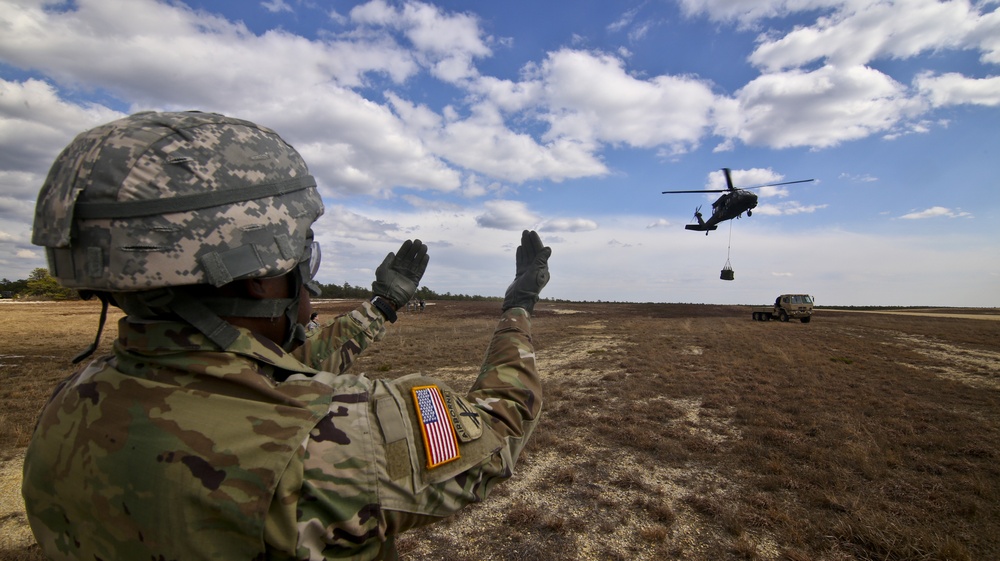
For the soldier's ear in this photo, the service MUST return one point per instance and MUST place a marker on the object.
(263, 288)
(253, 288)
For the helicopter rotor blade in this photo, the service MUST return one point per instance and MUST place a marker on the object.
(776, 184)
(729, 183)
(698, 191)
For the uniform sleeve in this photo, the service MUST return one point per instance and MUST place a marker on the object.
(367, 471)
(492, 423)
(508, 388)
(334, 347)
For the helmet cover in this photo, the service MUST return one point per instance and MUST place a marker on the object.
(158, 200)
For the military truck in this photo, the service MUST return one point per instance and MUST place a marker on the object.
(786, 306)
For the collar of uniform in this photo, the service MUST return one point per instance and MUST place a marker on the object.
(162, 338)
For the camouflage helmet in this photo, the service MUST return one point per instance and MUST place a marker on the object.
(158, 200)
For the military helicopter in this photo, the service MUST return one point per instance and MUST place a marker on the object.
(732, 204)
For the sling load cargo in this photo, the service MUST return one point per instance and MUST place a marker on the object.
(727, 272)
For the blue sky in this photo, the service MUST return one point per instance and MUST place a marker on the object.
(462, 123)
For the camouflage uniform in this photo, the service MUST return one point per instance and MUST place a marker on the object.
(172, 449)
(200, 438)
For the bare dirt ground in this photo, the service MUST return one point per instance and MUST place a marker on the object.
(989, 314)
(674, 432)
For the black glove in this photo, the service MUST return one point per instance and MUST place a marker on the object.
(396, 279)
(532, 273)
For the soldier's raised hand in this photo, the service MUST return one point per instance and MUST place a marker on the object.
(396, 279)
(532, 273)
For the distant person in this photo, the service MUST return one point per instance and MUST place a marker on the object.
(313, 323)
(220, 428)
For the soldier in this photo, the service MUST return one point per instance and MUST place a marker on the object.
(220, 428)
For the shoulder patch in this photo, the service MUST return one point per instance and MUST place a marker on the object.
(464, 417)
(436, 425)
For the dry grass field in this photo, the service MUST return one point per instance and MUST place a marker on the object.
(670, 431)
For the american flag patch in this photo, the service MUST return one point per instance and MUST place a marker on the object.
(439, 435)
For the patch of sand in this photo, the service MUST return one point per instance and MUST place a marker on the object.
(989, 317)
(974, 367)
(15, 534)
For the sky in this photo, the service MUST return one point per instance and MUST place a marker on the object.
(461, 123)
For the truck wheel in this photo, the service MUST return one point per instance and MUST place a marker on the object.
(805, 319)
(782, 315)
(756, 316)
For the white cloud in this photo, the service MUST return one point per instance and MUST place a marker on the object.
(749, 11)
(849, 32)
(856, 178)
(786, 209)
(613, 243)
(421, 203)
(591, 98)
(18, 208)
(953, 89)
(936, 212)
(568, 225)
(846, 98)
(819, 108)
(507, 215)
(624, 21)
(447, 43)
(744, 178)
(483, 143)
(857, 33)
(35, 125)
(276, 6)
(339, 223)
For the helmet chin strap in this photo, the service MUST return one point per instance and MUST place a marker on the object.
(206, 313)
(295, 332)
(104, 297)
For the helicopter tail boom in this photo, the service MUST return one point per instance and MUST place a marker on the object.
(701, 226)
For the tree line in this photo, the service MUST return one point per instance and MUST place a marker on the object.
(40, 285)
